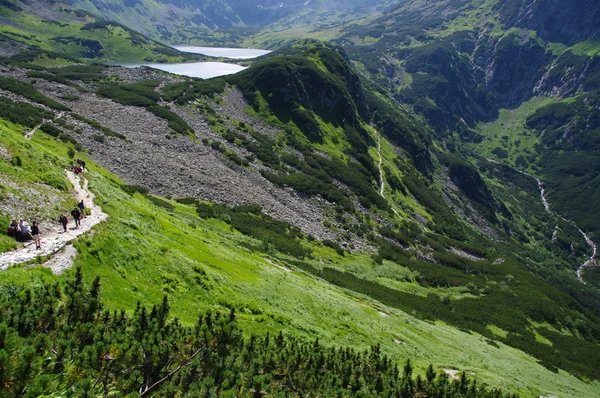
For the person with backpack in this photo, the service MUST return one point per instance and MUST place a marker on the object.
(76, 216)
(35, 234)
(13, 229)
(63, 220)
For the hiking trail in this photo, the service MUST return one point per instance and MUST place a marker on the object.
(29, 134)
(55, 239)
(379, 166)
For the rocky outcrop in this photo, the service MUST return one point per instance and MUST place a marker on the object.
(566, 22)
(512, 65)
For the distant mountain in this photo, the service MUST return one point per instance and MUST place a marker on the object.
(73, 33)
(183, 21)
(459, 63)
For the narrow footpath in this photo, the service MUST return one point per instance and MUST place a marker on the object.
(29, 134)
(379, 166)
(55, 239)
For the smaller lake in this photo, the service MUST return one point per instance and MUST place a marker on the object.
(204, 70)
(238, 53)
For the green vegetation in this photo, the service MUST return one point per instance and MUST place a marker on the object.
(164, 247)
(27, 91)
(79, 35)
(94, 350)
(143, 94)
(21, 113)
(512, 289)
(250, 220)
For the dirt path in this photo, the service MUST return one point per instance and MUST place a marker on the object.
(54, 240)
(379, 166)
(29, 133)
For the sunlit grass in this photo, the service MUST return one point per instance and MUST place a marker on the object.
(143, 252)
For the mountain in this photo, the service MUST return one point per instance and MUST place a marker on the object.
(307, 196)
(212, 21)
(463, 65)
(57, 27)
(300, 196)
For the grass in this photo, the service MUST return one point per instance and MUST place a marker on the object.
(588, 47)
(39, 180)
(510, 133)
(144, 251)
(114, 43)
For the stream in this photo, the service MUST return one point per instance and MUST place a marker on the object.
(591, 261)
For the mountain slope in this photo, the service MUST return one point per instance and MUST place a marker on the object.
(353, 191)
(165, 247)
(317, 170)
(54, 26)
(201, 22)
(458, 63)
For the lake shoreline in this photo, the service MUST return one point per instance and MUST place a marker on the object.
(205, 69)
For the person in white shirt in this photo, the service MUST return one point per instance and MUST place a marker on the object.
(25, 230)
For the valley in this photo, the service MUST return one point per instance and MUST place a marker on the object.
(417, 195)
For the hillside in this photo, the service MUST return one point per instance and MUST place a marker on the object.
(76, 34)
(372, 227)
(382, 190)
(462, 65)
(215, 22)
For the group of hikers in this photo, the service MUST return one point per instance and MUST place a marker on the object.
(23, 232)
(78, 167)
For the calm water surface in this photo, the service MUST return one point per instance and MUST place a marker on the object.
(205, 70)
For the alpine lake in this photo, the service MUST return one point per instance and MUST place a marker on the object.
(204, 70)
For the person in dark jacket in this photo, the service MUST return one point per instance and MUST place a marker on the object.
(63, 220)
(76, 216)
(35, 234)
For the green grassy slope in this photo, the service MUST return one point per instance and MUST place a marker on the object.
(80, 35)
(426, 261)
(338, 146)
(144, 251)
(477, 70)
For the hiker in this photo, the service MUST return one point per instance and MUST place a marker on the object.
(76, 216)
(13, 229)
(35, 234)
(63, 220)
(25, 231)
(81, 206)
